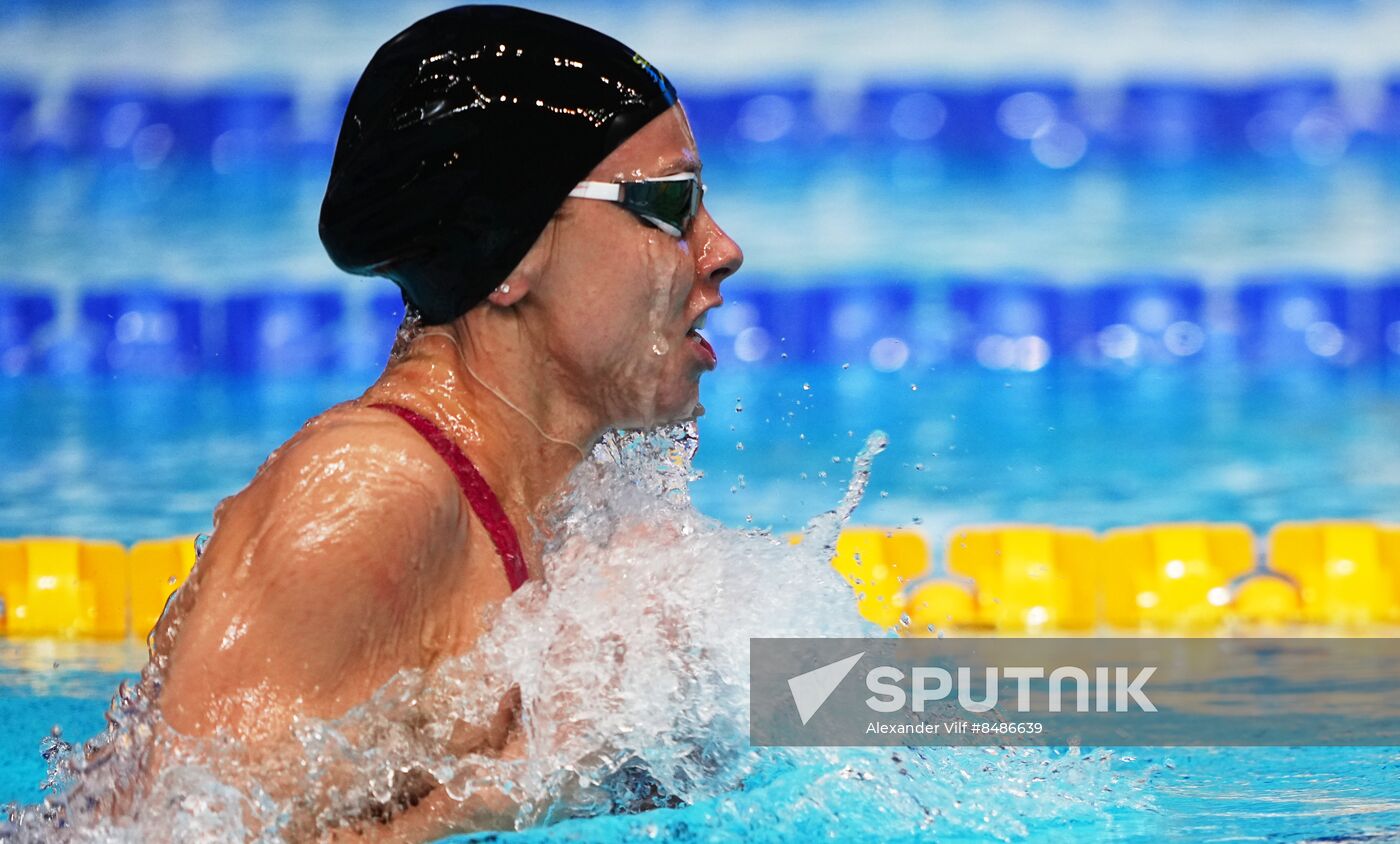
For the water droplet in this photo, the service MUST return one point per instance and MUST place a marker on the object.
(884, 494)
(836, 458)
(914, 387)
(918, 467)
(738, 405)
(845, 366)
(806, 386)
(738, 446)
(821, 474)
(173, 579)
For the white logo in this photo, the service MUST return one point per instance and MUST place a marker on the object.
(810, 690)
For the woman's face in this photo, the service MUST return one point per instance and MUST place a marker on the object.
(620, 298)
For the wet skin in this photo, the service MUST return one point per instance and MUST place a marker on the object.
(352, 555)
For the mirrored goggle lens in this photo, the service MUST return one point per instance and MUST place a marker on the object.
(672, 203)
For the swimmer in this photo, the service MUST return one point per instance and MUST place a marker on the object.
(533, 188)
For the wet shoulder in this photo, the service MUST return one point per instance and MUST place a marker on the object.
(369, 452)
(359, 479)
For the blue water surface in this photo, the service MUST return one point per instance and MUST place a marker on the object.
(1169, 794)
(132, 459)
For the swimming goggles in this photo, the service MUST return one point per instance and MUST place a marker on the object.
(667, 202)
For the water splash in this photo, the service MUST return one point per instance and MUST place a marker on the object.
(823, 529)
(631, 661)
(409, 327)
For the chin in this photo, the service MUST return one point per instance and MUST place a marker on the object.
(687, 405)
(672, 416)
(673, 397)
(680, 407)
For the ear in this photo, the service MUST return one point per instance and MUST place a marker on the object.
(523, 278)
(510, 291)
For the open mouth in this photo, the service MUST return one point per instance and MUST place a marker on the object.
(703, 349)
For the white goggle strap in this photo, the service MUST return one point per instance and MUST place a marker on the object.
(612, 192)
(607, 191)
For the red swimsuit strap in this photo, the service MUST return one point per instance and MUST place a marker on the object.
(479, 495)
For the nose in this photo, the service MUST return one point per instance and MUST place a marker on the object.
(720, 257)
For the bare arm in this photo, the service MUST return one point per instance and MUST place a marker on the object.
(309, 574)
(311, 595)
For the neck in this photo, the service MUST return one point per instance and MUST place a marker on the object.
(524, 443)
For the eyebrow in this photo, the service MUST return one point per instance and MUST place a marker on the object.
(681, 165)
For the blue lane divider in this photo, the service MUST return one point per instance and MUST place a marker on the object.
(868, 322)
(1171, 122)
(142, 331)
(386, 312)
(1053, 122)
(238, 126)
(145, 123)
(778, 324)
(22, 316)
(1006, 117)
(774, 115)
(1014, 322)
(1388, 312)
(283, 333)
(929, 113)
(1144, 319)
(902, 114)
(126, 119)
(1048, 120)
(16, 110)
(1288, 318)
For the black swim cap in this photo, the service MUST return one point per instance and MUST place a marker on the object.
(464, 135)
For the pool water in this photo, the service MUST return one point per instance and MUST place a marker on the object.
(1147, 794)
(132, 459)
